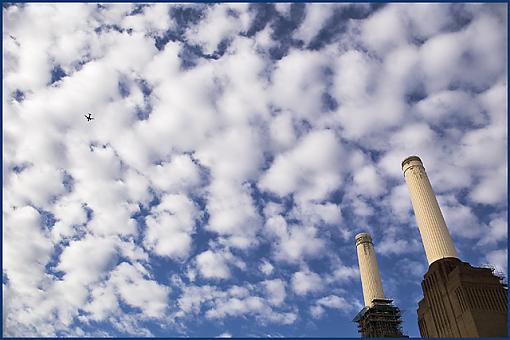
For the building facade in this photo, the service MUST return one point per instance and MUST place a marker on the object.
(462, 301)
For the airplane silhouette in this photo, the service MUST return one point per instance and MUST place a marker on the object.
(89, 118)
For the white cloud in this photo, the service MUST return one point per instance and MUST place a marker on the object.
(164, 64)
(130, 51)
(450, 57)
(263, 38)
(283, 8)
(103, 303)
(369, 101)
(35, 186)
(84, 260)
(316, 15)
(313, 214)
(427, 19)
(225, 335)
(129, 324)
(235, 306)
(131, 284)
(475, 150)
(137, 291)
(414, 268)
(385, 29)
(306, 71)
(236, 301)
(180, 174)
(26, 250)
(311, 175)
(497, 232)
(192, 297)
(392, 245)
(232, 213)
(213, 265)
(241, 75)
(492, 188)
(234, 154)
(498, 258)
(31, 71)
(170, 227)
(110, 13)
(400, 202)
(250, 305)
(317, 311)
(154, 18)
(442, 108)
(494, 100)
(333, 302)
(282, 131)
(342, 273)
(413, 139)
(266, 267)
(397, 25)
(295, 242)
(368, 182)
(188, 125)
(361, 208)
(460, 219)
(137, 186)
(83, 265)
(217, 26)
(275, 291)
(305, 282)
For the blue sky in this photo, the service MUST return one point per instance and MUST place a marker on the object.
(235, 152)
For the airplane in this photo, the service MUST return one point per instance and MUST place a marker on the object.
(89, 118)
(14, 39)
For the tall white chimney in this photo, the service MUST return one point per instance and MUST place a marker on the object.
(370, 279)
(436, 239)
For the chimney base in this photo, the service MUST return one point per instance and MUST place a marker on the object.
(381, 320)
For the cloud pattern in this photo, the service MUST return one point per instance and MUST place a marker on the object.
(236, 151)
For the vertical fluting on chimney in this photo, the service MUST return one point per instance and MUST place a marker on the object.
(370, 279)
(436, 239)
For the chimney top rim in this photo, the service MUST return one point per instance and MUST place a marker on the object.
(363, 237)
(411, 158)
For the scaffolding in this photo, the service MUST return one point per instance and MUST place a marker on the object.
(382, 320)
(499, 274)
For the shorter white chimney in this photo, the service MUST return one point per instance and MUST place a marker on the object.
(370, 279)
